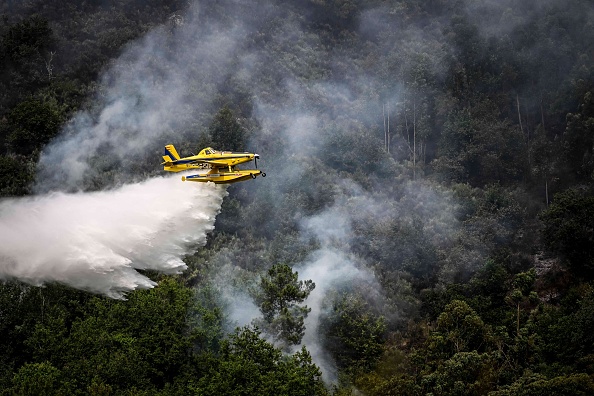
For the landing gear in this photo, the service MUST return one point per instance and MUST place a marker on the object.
(253, 175)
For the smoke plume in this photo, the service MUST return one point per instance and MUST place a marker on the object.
(97, 241)
(330, 269)
(161, 85)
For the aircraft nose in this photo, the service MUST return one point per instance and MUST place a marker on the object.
(256, 155)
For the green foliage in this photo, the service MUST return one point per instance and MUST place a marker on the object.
(477, 106)
(478, 147)
(395, 386)
(120, 344)
(487, 293)
(26, 39)
(565, 333)
(23, 308)
(494, 221)
(465, 373)
(248, 365)
(37, 379)
(32, 124)
(522, 293)
(69, 343)
(226, 132)
(16, 175)
(354, 150)
(579, 139)
(205, 319)
(537, 385)
(24, 48)
(568, 230)
(459, 329)
(354, 334)
(278, 299)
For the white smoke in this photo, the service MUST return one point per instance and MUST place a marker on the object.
(96, 241)
(329, 269)
(158, 87)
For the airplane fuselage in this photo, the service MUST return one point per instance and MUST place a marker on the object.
(207, 159)
(221, 165)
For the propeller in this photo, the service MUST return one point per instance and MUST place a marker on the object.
(256, 156)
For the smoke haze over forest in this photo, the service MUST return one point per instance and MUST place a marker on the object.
(409, 147)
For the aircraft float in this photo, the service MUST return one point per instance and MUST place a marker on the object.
(222, 165)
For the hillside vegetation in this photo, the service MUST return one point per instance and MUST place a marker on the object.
(426, 225)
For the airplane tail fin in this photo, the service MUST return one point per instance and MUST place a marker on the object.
(170, 154)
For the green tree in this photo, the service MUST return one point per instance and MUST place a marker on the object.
(566, 332)
(140, 343)
(248, 365)
(480, 147)
(354, 335)
(205, 318)
(26, 39)
(16, 175)
(459, 329)
(226, 132)
(31, 125)
(538, 385)
(465, 373)
(459, 356)
(25, 48)
(522, 293)
(569, 230)
(278, 299)
(37, 379)
(579, 139)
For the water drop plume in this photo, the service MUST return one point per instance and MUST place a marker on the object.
(97, 241)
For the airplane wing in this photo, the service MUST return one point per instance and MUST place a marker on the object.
(215, 162)
(207, 158)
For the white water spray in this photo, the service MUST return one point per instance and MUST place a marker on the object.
(97, 241)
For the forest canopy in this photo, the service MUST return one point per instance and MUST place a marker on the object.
(426, 225)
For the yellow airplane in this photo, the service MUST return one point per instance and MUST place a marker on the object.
(222, 165)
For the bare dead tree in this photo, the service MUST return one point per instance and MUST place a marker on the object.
(48, 65)
(542, 118)
(385, 132)
(388, 141)
(519, 114)
(414, 139)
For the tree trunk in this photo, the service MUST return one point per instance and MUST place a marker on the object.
(542, 119)
(414, 140)
(519, 114)
(385, 134)
(388, 128)
(518, 321)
